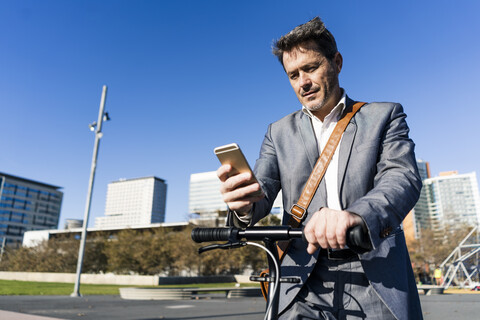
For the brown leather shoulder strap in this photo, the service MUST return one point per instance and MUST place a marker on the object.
(299, 209)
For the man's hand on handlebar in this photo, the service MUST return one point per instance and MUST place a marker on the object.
(328, 229)
(238, 191)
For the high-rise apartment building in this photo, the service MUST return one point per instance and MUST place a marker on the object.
(448, 201)
(134, 202)
(26, 205)
(205, 199)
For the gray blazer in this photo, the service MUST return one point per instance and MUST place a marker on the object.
(378, 180)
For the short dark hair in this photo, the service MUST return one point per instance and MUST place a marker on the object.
(312, 30)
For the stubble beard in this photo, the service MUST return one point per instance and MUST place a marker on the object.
(328, 92)
(319, 105)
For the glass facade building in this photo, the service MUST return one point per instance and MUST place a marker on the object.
(26, 205)
(414, 220)
(423, 169)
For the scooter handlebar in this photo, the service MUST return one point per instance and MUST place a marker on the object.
(357, 237)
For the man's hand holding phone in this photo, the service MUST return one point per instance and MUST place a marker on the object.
(239, 191)
(240, 188)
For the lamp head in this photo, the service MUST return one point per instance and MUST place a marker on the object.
(92, 126)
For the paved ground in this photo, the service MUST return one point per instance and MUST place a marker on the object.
(435, 307)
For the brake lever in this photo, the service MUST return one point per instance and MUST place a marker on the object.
(224, 246)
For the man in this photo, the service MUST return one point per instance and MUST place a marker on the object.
(372, 179)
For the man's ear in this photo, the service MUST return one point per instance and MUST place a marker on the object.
(338, 59)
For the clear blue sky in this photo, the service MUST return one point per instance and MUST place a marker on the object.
(187, 76)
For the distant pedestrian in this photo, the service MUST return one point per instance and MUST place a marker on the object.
(437, 274)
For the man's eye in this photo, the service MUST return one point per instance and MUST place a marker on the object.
(293, 76)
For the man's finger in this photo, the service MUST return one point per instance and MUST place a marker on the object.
(234, 182)
(312, 248)
(331, 225)
(321, 229)
(223, 171)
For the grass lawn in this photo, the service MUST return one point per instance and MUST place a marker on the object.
(14, 287)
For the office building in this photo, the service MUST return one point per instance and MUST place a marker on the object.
(26, 205)
(448, 201)
(206, 201)
(73, 223)
(133, 202)
(204, 196)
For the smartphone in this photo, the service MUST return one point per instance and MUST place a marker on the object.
(232, 154)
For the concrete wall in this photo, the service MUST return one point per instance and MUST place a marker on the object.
(85, 278)
(110, 278)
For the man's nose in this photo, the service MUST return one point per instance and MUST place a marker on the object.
(304, 81)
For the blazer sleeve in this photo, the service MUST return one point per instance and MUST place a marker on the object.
(395, 181)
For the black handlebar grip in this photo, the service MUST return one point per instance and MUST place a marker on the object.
(358, 240)
(211, 234)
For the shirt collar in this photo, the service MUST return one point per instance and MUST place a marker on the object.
(336, 111)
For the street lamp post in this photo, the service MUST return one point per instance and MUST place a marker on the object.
(98, 135)
(4, 241)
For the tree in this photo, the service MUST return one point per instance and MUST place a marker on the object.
(270, 220)
(145, 252)
(131, 252)
(431, 250)
(56, 255)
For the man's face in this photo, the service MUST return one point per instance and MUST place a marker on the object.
(313, 77)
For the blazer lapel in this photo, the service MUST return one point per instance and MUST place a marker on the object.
(308, 137)
(346, 149)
